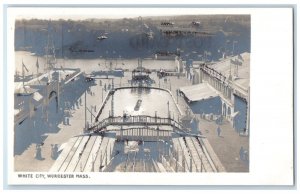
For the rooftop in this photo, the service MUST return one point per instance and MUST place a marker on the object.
(198, 92)
(227, 67)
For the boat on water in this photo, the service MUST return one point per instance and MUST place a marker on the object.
(138, 105)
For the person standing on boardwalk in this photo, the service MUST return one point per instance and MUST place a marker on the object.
(38, 153)
(219, 131)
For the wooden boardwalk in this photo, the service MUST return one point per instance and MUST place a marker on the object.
(182, 153)
(94, 153)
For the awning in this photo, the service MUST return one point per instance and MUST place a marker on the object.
(198, 92)
(24, 90)
(234, 114)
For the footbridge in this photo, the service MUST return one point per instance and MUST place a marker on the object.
(138, 120)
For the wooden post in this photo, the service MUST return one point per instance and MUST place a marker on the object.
(191, 164)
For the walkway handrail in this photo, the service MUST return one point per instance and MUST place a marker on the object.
(134, 120)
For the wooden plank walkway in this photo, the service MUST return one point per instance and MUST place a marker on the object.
(85, 154)
(183, 155)
(100, 153)
(64, 154)
(208, 150)
(70, 155)
(94, 153)
(178, 149)
(201, 160)
(108, 154)
(110, 148)
(207, 159)
(161, 167)
(100, 158)
(77, 155)
(187, 158)
(92, 157)
(194, 154)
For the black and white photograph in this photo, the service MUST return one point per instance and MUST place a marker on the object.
(117, 91)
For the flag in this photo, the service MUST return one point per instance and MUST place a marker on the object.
(23, 65)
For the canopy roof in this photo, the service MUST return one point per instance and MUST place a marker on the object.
(198, 92)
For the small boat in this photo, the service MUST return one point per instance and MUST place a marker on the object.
(138, 105)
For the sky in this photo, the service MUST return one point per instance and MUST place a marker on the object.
(108, 13)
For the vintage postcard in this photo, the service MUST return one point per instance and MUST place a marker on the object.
(101, 94)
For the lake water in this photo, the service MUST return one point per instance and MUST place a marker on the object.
(86, 65)
(153, 100)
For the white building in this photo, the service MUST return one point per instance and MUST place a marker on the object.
(223, 88)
